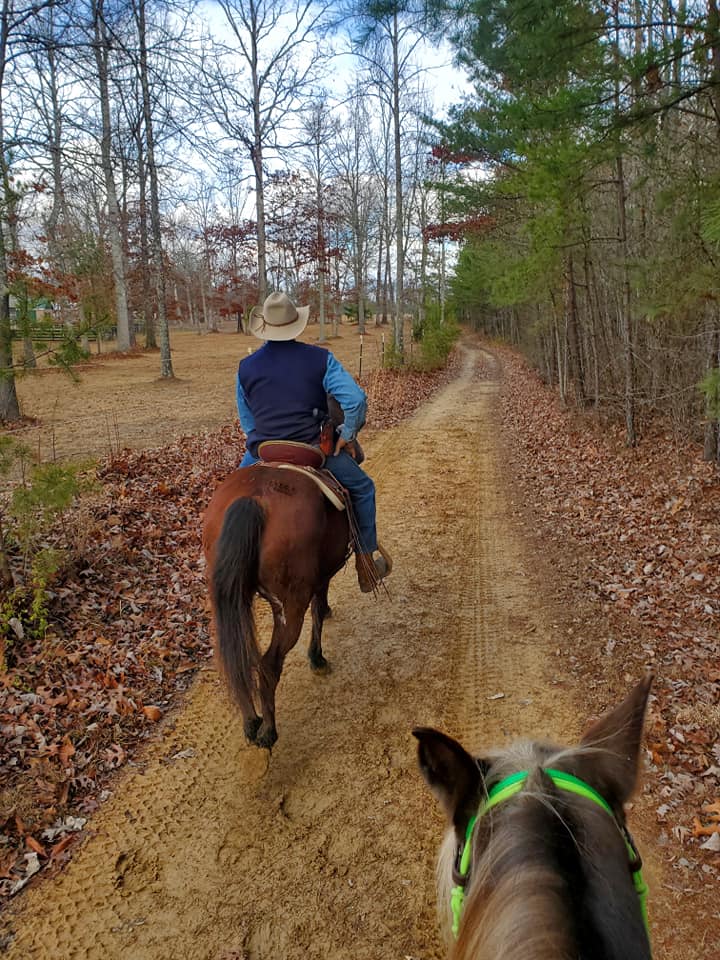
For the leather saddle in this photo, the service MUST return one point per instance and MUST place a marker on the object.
(304, 458)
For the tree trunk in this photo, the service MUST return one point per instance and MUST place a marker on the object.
(559, 352)
(166, 370)
(7, 579)
(9, 407)
(257, 162)
(399, 334)
(713, 35)
(711, 446)
(148, 311)
(125, 331)
(379, 277)
(58, 211)
(626, 327)
(29, 360)
(575, 358)
(593, 331)
(625, 304)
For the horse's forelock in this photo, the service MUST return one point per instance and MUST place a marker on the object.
(516, 902)
(521, 755)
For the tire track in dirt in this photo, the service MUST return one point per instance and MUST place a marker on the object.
(503, 663)
(206, 852)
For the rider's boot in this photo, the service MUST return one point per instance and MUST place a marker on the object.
(371, 570)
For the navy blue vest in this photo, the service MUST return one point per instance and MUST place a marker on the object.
(283, 384)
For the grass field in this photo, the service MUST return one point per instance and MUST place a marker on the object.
(122, 401)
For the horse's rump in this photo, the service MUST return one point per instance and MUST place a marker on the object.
(296, 513)
(270, 532)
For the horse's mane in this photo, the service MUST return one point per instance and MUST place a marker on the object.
(525, 876)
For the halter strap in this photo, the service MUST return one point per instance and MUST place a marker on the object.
(506, 789)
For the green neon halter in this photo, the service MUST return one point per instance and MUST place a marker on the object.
(564, 781)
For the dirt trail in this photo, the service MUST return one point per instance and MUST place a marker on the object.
(203, 853)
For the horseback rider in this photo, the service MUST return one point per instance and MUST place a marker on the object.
(282, 387)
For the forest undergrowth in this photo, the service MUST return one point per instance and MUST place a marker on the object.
(636, 534)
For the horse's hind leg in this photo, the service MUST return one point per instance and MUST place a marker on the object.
(320, 610)
(286, 631)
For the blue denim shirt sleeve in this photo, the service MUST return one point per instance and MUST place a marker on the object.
(348, 394)
(247, 420)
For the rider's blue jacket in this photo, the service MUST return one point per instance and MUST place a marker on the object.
(282, 393)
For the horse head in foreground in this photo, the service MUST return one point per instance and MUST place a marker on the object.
(269, 532)
(538, 863)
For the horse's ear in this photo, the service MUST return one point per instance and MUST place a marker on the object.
(451, 773)
(617, 737)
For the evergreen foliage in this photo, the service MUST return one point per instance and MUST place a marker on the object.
(592, 132)
(436, 339)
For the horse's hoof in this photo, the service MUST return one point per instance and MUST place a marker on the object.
(267, 737)
(320, 666)
(251, 727)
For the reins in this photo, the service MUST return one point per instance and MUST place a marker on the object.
(507, 788)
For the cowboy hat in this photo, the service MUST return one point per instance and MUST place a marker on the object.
(278, 318)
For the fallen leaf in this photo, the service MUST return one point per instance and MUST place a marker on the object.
(7, 862)
(713, 843)
(32, 867)
(61, 845)
(152, 713)
(701, 830)
(35, 845)
(66, 751)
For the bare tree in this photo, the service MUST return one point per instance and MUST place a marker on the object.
(156, 246)
(18, 35)
(102, 44)
(391, 31)
(352, 166)
(253, 88)
(318, 125)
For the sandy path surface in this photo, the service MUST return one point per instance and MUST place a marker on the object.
(206, 852)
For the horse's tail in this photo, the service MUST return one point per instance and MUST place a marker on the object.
(235, 580)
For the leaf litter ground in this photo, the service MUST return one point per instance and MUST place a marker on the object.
(129, 631)
(633, 537)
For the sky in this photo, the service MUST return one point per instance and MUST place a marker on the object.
(446, 82)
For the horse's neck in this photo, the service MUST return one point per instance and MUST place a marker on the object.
(523, 917)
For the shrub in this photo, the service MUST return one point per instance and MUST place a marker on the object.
(30, 557)
(436, 339)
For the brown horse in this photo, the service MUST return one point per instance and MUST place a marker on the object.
(270, 532)
(538, 864)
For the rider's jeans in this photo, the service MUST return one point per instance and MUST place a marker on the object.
(360, 487)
